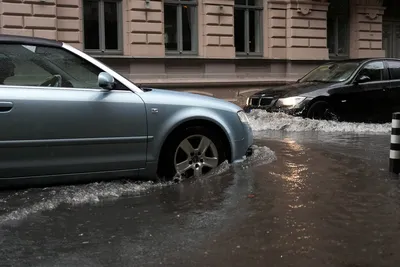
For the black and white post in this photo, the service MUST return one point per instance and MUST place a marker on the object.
(394, 165)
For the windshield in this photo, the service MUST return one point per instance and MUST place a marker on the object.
(331, 72)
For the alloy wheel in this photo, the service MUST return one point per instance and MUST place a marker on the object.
(195, 156)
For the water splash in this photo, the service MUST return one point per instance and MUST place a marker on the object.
(76, 195)
(51, 198)
(261, 120)
(261, 155)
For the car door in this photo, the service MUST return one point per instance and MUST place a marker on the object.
(394, 92)
(68, 128)
(373, 103)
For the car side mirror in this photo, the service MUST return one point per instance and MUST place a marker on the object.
(106, 81)
(363, 79)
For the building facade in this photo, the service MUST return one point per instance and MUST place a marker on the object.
(225, 48)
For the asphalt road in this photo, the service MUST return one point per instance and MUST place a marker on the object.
(304, 199)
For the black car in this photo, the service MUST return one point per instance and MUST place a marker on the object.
(358, 90)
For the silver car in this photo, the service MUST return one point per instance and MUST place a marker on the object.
(66, 117)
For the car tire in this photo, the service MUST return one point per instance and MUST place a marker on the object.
(321, 110)
(174, 156)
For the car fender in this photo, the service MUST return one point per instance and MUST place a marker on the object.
(324, 97)
(228, 121)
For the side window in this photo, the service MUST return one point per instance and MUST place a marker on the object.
(394, 70)
(46, 66)
(17, 71)
(374, 70)
(78, 72)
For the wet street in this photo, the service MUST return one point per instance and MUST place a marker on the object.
(313, 194)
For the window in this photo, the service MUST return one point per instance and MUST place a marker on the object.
(102, 26)
(46, 66)
(374, 70)
(180, 26)
(338, 33)
(248, 29)
(394, 69)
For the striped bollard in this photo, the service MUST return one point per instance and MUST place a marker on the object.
(394, 164)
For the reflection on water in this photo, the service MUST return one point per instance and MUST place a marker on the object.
(295, 173)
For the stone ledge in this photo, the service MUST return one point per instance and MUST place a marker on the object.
(201, 82)
(196, 58)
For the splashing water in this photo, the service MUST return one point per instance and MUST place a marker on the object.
(261, 120)
(51, 198)
(76, 195)
(261, 155)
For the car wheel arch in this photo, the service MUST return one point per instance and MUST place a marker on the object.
(192, 122)
(324, 98)
(319, 98)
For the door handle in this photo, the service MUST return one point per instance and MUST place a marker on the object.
(6, 106)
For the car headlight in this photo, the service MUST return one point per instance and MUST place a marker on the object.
(248, 101)
(289, 101)
(242, 116)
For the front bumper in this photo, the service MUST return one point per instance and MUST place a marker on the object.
(290, 111)
(299, 110)
(243, 148)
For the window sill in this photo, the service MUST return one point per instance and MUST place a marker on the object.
(206, 59)
(183, 54)
(249, 55)
(338, 57)
(105, 53)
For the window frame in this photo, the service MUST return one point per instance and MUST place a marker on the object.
(70, 51)
(337, 17)
(102, 50)
(247, 8)
(362, 66)
(195, 31)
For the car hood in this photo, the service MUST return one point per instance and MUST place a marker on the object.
(170, 97)
(298, 89)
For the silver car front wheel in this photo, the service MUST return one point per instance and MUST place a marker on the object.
(195, 156)
(192, 152)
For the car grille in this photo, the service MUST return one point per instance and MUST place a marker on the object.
(263, 101)
(255, 101)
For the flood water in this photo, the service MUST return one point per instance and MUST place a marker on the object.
(314, 194)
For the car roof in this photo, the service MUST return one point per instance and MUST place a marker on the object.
(17, 39)
(362, 60)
